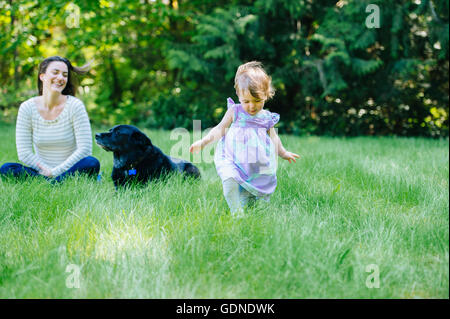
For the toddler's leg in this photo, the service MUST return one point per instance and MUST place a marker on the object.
(265, 198)
(245, 197)
(250, 200)
(231, 193)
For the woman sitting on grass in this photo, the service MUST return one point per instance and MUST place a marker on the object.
(56, 124)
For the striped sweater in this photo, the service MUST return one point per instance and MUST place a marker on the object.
(59, 143)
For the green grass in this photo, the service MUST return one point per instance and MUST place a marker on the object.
(348, 203)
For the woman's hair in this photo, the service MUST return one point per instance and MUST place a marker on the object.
(72, 80)
(251, 76)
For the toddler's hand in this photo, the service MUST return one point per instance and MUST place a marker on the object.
(196, 147)
(290, 156)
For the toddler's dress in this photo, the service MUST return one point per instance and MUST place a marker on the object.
(246, 153)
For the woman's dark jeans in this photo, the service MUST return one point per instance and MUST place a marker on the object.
(88, 165)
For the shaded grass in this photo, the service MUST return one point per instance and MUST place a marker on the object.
(348, 203)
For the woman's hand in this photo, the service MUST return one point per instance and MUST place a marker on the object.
(290, 156)
(196, 147)
(44, 171)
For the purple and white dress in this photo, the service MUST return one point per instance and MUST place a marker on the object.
(246, 153)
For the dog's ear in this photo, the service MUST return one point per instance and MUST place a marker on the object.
(141, 139)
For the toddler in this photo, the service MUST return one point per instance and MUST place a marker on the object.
(245, 156)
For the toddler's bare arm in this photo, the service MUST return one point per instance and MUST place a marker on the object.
(281, 151)
(215, 134)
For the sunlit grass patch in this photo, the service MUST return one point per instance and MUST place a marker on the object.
(348, 203)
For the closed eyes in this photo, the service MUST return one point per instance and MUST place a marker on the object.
(56, 72)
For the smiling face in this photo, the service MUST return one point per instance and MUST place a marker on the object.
(251, 104)
(55, 77)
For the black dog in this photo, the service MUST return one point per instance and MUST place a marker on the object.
(136, 158)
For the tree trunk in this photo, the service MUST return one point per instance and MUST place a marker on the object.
(15, 38)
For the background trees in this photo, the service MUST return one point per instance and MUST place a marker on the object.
(164, 63)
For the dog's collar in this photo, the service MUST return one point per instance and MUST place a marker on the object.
(131, 170)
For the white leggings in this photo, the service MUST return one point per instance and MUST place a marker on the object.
(238, 197)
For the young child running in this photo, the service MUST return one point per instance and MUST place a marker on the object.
(245, 156)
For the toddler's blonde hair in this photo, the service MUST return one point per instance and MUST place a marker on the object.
(251, 76)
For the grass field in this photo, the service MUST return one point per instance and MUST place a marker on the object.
(347, 204)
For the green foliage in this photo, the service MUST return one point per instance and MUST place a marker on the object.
(158, 59)
(362, 67)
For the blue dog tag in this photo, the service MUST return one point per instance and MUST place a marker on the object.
(132, 172)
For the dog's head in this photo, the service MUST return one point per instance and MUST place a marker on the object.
(127, 143)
